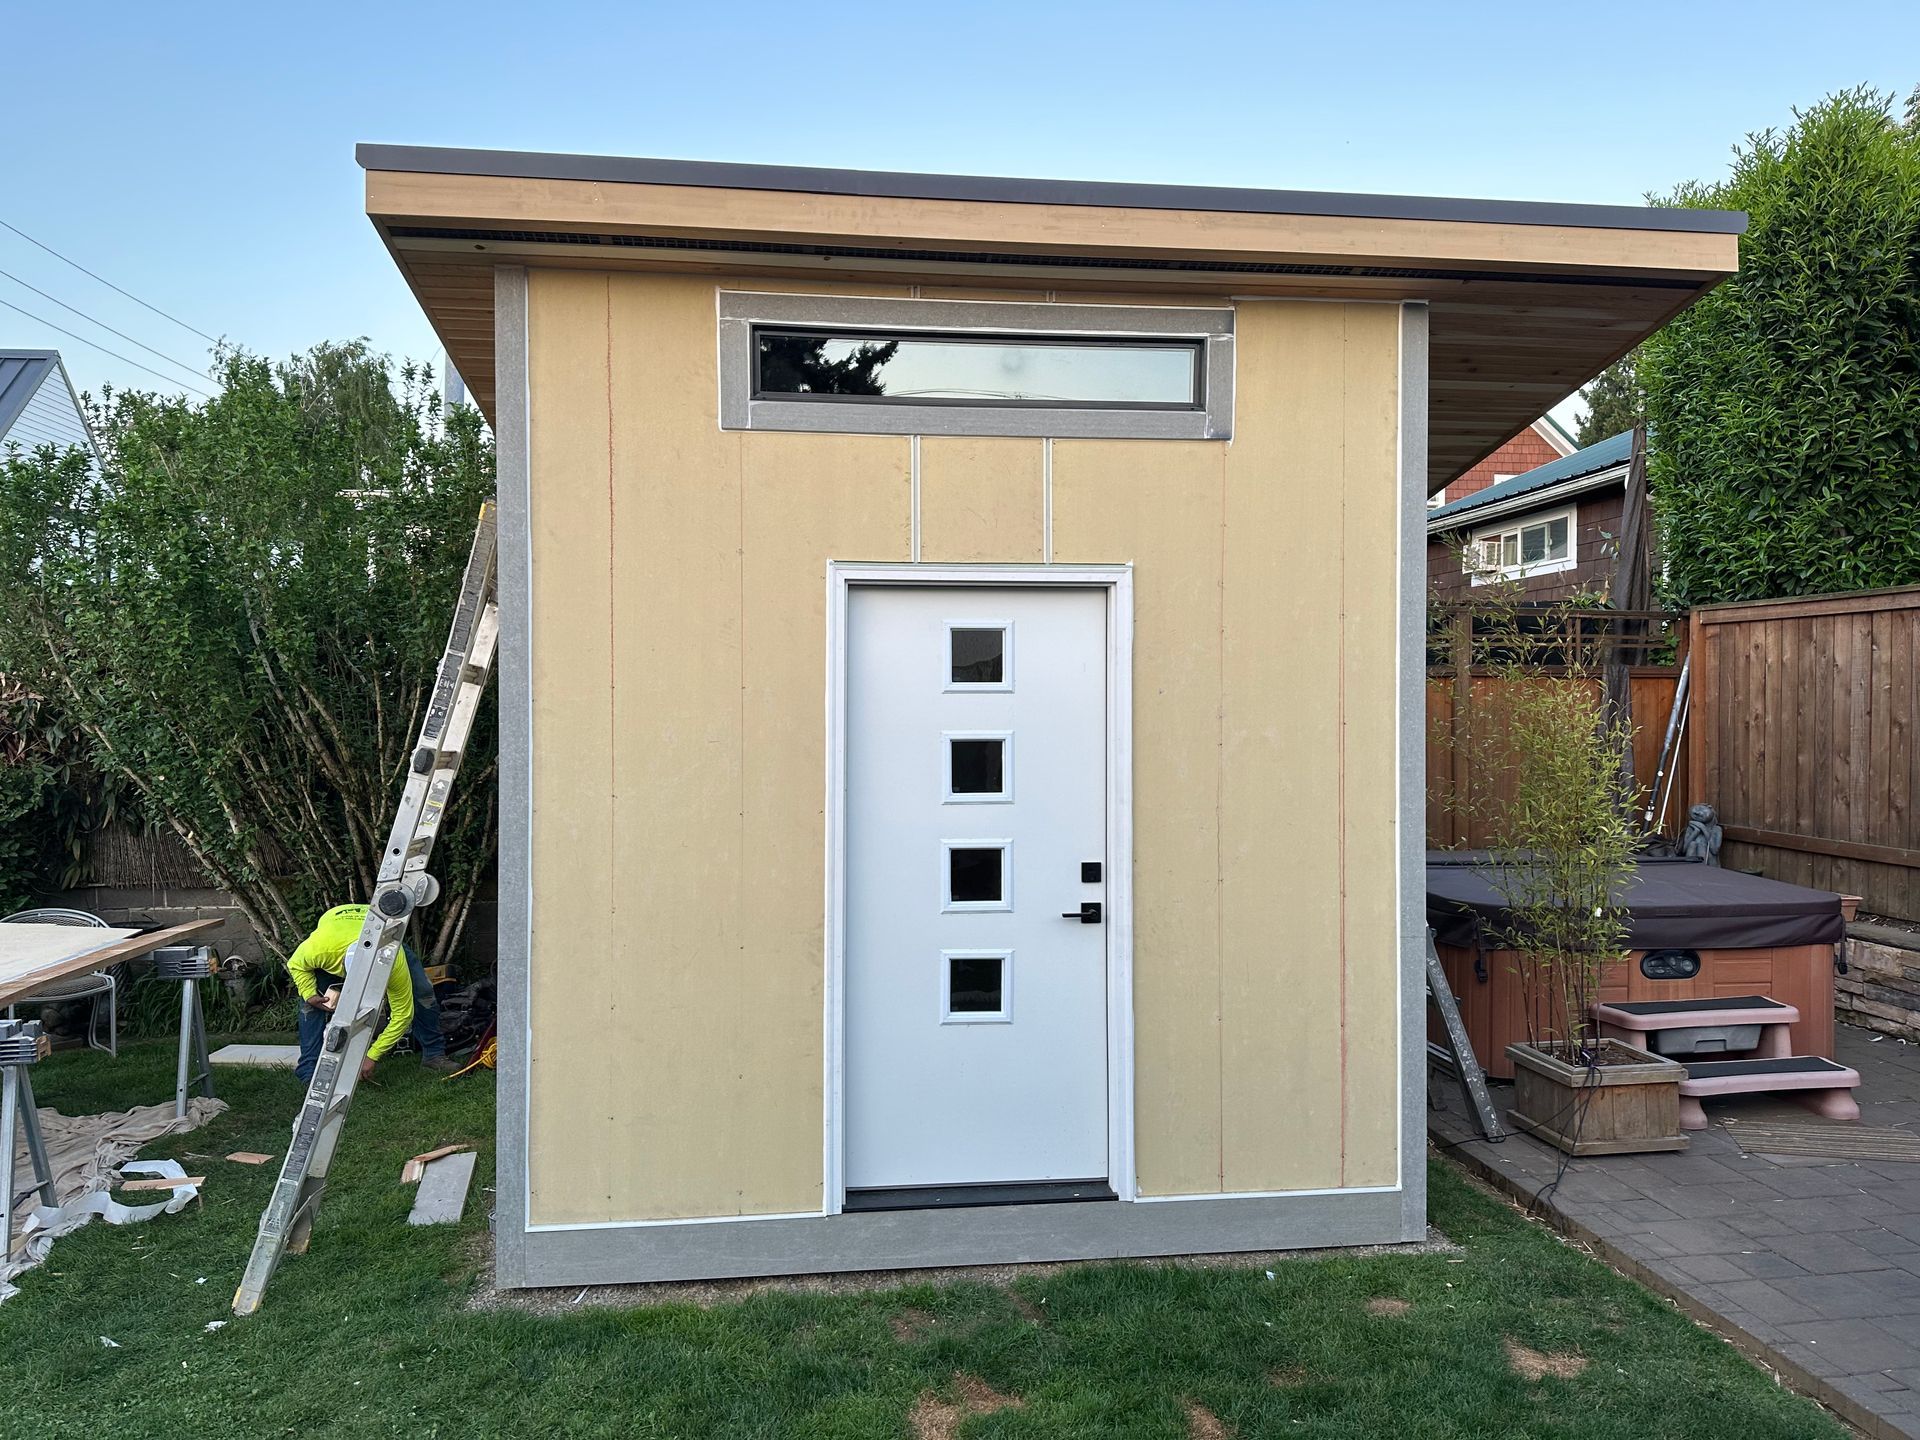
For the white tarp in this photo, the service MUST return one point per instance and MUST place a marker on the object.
(84, 1151)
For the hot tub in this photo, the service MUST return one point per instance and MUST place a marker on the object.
(1697, 932)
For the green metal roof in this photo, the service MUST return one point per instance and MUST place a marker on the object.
(1612, 451)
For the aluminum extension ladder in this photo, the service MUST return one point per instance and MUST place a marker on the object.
(1457, 1054)
(403, 884)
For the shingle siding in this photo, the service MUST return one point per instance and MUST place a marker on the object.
(1596, 532)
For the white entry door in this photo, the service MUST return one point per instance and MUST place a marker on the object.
(975, 1001)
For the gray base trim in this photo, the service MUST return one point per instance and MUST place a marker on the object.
(986, 1235)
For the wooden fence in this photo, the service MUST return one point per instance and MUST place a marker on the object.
(1465, 710)
(1803, 739)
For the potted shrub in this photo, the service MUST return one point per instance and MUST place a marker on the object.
(1563, 856)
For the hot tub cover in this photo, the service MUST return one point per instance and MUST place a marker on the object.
(1671, 904)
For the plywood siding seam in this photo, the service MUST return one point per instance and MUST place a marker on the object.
(613, 726)
(1219, 850)
(1340, 735)
(1046, 502)
(913, 452)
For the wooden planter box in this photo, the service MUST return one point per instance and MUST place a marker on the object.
(1626, 1107)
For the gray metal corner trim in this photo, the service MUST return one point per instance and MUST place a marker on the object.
(1413, 767)
(739, 311)
(987, 1235)
(513, 493)
(880, 184)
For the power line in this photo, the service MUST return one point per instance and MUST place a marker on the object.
(72, 310)
(108, 283)
(39, 320)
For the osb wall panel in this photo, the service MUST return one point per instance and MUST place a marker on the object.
(679, 660)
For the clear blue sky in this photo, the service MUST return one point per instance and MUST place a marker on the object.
(201, 155)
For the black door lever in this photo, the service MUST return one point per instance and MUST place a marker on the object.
(1087, 914)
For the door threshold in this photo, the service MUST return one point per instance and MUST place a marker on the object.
(933, 1197)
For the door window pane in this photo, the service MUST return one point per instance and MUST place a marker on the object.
(976, 984)
(979, 657)
(986, 370)
(974, 875)
(977, 767)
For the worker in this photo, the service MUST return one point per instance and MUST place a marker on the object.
(319, 964)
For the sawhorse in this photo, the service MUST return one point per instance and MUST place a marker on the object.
(189, 964)
(21, 1044)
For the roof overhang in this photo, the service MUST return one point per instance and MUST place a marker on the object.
(1528, 301)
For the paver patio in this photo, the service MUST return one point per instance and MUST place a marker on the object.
(1812, 1265)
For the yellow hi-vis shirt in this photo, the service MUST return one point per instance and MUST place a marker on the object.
(324, 952)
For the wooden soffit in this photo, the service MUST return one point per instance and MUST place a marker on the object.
(1527, 302)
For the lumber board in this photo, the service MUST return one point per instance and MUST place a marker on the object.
(32, 956)
(442, 1196)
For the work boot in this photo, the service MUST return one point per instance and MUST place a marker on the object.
(440, 1065)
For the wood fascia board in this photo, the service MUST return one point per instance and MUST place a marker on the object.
(485, 202)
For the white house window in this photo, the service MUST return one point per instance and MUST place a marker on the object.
(1530, 545)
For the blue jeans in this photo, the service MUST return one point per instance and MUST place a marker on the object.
(424, 1032)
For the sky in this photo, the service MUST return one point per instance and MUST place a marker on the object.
(199, 156)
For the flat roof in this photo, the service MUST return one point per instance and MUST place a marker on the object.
(535, 165)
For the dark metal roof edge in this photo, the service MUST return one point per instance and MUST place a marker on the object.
(1447, 519)
(532, 165)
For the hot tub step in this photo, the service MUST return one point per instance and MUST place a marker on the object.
(1683, 1029)
(1826, 1086)
(1671, 1014)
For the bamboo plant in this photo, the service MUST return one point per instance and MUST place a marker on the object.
(1562, 829)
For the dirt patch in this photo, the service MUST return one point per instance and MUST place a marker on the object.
(1203, 1424)
(1386, 1305)
(1531, 1364)
(1288, 1377)
(937, 1417)
(910, 1325)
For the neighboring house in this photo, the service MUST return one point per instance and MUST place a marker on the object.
(1541, 443)
(961, 703)
(38, 404)
(1554, 529)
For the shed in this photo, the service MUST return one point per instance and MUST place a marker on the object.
(961, 787)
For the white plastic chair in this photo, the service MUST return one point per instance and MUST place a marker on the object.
(76, 987)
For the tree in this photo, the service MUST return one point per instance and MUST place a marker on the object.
(798, 364)
(1614, 402)
(241, 611)
(1784, 407)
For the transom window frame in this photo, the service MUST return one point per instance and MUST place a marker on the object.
(741, 312)
(1483, 571)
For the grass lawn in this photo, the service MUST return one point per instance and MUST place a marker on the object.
(371, 1334)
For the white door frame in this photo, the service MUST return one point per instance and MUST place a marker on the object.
(1117, 581)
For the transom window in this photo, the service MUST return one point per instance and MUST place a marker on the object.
(953, 369)
(867, 365)
(1535, 545)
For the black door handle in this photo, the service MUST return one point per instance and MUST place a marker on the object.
(1087, 914)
